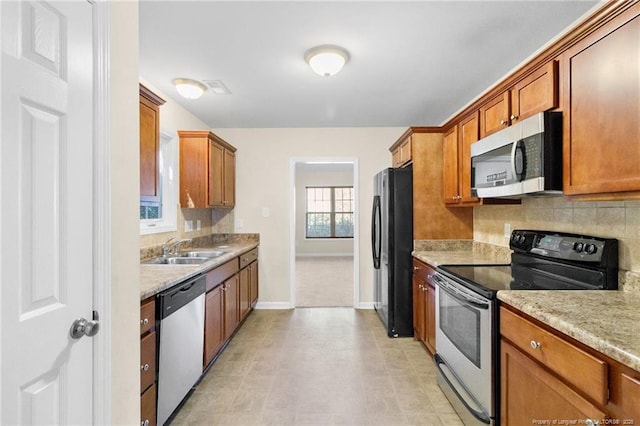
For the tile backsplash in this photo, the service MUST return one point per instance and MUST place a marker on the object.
(212, 221)
(611, 219)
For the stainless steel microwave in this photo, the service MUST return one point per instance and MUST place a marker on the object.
(524, 159)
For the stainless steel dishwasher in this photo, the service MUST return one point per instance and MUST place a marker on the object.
(181, 343)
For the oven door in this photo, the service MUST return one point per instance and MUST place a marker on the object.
(464, 322)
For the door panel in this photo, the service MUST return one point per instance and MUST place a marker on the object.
(46, 158)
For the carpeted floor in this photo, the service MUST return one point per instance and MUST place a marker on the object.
(324, 281)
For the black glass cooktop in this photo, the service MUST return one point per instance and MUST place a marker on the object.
(488, 279)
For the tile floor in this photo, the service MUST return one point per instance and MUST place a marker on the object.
(318, 366)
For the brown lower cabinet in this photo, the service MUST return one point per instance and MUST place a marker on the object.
(546, 375)
(232, 290)
(424, 305)
(248, 282)
(253, 287)
(214, 333)
(148, 374)
(230, 302)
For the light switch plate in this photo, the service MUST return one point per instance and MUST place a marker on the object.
(239, 224)
(265, 212)
(188, 226)
(198, 225)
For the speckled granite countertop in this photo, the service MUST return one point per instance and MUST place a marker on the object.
(607, 321)
(460, 252)
(156, 278)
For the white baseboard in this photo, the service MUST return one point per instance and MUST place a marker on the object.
(286, 305)
(272, 305)
(324, 254)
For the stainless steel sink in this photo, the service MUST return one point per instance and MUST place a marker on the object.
(177, 260)
(201, 253)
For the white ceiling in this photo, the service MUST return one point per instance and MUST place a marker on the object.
(413, 63)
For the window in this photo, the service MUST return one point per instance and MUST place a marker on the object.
(329, 212)
(162, 217)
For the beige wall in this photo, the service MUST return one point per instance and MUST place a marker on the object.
(263, 180)
(125, 195)
(306, 246)
(619, 219)
(174, 117)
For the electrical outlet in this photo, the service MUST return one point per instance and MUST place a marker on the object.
(507, 230)
(239, 224)
(188, 226)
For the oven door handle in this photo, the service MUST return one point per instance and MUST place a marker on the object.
(458, 295)
(480, 415)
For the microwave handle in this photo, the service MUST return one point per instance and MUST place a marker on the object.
(518, 160)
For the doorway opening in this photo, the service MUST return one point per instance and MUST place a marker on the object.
(324, 232)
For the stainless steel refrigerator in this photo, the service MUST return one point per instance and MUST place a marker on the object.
(392, 243)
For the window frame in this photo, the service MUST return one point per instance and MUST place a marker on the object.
(332, 213)
(168, 222)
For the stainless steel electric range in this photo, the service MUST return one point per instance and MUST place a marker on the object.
(467, 335)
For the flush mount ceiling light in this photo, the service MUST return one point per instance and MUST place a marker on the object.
(190, 89)
(326, 60)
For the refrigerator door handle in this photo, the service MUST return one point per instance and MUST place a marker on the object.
(376, 231)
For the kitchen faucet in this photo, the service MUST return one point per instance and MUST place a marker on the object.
(171, 246)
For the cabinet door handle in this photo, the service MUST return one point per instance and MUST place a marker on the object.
(513, 117)
(504, 122)
(144, 321)
(535, 345)
(144, 367)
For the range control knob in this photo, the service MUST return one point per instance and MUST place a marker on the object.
(518, 238)
(590, 248)
(578, 247)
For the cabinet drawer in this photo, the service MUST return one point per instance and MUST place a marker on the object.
(630, 393)
(423, 271)
(147, 361)
(248, 257)
(221, 273)
(587, 373)
(148, 407)
(147, 316)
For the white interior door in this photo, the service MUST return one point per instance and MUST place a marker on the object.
(46, 225)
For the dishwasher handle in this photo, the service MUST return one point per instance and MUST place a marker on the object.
(177, 296)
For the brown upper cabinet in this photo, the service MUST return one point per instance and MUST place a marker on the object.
(457, 162)
(601, 109)
(401, 152)
(535, 93)
(450, 166)
(432, 220)
(149, 145)
(207, 170)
